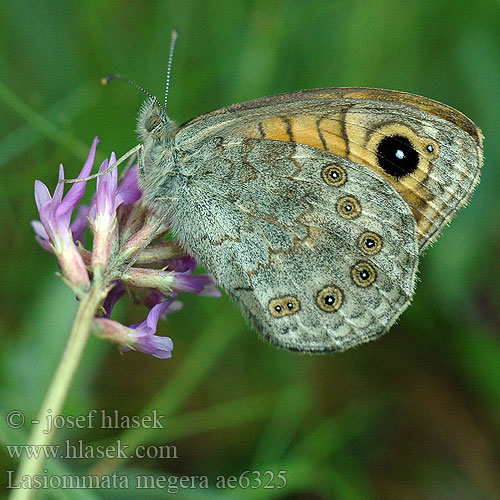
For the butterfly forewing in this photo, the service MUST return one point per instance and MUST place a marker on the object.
(429, 152)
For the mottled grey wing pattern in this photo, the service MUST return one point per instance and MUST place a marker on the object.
(319, 252)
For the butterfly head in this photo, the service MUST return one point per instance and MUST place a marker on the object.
(153, 124)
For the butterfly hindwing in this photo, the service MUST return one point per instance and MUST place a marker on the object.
(319, 252)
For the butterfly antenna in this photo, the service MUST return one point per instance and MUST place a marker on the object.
(173, 38)
(105, 80)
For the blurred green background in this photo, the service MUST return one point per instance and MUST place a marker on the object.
(414, 415)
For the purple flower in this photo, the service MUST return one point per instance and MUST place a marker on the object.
(139, 336)
(109, 196)
(184, 280)
(184, 264)
(199, 284)
(54, 231)
(173, 282)
(122, 229)
(129, 188)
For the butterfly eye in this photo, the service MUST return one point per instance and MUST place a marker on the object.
(153, 122)
(348, 207)
(329, 299)
(370, 243)
(334, 175)
(397, 156)
(363, 274)
(284, 306)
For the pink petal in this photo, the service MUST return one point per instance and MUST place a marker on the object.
(39, 229)
(77, 190)
(163, 347)
(155, 313)
(42, 194)
(59, 190)
(102, 168)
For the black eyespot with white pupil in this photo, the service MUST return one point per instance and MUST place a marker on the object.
(370, 243)
(348, 207)
(363, 274)
(397, 156)
(334, 175)
(329, 299)
(284, 306)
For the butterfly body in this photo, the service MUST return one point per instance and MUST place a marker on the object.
(311, 209)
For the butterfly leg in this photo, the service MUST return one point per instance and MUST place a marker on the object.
(120, 160)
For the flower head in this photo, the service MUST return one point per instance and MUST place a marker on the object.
(54, 230)
(172, 282)
(122, 227)
(103, 210)
(139, 336)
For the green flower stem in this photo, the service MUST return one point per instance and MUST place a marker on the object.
(61, 382)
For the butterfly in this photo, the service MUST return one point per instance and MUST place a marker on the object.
(312, 208)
